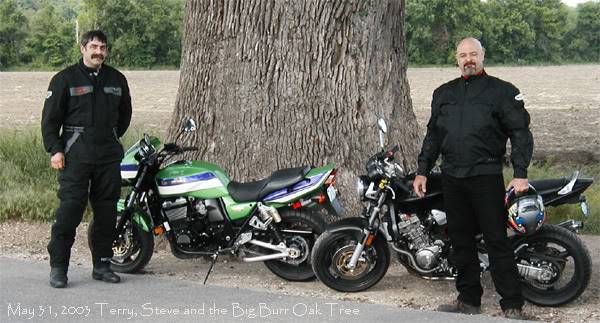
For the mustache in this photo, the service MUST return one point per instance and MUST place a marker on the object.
(100, 56)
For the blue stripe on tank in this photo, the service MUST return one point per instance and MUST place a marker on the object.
(186, 179)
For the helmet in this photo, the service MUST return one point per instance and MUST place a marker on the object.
(525, 212)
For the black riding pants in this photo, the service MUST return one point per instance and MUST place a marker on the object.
(475, 204)
(101, 183)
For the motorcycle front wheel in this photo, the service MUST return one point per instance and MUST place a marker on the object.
(132, 249)
(332, 253)
(563, 264)
(293, 225)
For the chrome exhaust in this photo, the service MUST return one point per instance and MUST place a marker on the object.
(412, 261)
(534, 273)
(571, 225)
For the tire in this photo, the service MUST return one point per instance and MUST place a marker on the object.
(569, 260)
(299, 269)
(133, 249)
(331, 245)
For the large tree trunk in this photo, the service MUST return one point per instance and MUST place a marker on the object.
(277, 84)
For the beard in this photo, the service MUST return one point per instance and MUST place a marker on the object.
(470, 69)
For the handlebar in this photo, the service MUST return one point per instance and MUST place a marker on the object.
(173, 147)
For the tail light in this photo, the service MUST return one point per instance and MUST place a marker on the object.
(331, 179)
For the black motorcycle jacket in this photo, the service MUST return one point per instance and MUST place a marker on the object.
(93, 108)
(471, 121)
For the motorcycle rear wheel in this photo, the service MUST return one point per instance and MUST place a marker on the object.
(294, 270)
(131, 251)
(563, 253)
(332, 252)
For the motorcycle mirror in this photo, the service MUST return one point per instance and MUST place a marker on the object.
(382, 130)
(190, 125)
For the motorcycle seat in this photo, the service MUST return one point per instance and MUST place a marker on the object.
(545, 186)
(257, 190)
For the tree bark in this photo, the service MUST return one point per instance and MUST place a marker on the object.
(277, 84)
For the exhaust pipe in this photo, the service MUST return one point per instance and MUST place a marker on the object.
(572, 225)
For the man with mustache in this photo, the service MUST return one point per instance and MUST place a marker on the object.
(472, 117)
(90, 102)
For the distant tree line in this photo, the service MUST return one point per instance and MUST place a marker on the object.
(512, 31)
(43, 33)
(147, 33)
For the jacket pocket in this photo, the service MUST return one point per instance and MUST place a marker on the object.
(113, 97)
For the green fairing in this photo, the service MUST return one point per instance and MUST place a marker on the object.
(129, 158)
(237, 211)
(139, 217)
(320, 170)
(193, 167)
(142, 220)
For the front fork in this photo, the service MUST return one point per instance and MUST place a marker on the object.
(368, 233)
(133, 196)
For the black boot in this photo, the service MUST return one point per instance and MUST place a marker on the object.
(459, 307)
(58, 277)
(103, 272)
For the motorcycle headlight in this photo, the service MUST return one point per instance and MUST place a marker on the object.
(362, 183)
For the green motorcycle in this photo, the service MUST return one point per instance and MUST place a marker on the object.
(203, 213)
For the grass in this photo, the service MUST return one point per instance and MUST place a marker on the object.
(28, 184)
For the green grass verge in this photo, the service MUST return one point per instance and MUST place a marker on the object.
(28, 185)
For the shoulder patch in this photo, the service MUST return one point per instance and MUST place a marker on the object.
(519, 97)
(48, 94)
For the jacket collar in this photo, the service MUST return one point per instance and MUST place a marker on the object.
(88, 70)
(474, 85)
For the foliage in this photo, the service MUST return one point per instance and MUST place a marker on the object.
(145, 34)
(44, 34)
(13, 30)
(513, 31)
(584, 40)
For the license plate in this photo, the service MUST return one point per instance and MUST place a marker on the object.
(331, 192)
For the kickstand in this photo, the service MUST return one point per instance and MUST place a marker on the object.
(214, 257)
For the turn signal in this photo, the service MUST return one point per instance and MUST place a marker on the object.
(158, 230)
(369, 240)
(322, 198)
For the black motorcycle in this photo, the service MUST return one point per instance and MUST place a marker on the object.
(353, 254)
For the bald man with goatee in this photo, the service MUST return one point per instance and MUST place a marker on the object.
(472, 118)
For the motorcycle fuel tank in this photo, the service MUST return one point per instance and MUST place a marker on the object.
(192, 178)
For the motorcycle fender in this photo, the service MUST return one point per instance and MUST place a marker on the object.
(142, 220)
(353, 224)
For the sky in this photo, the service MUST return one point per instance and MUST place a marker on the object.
(573, 3)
